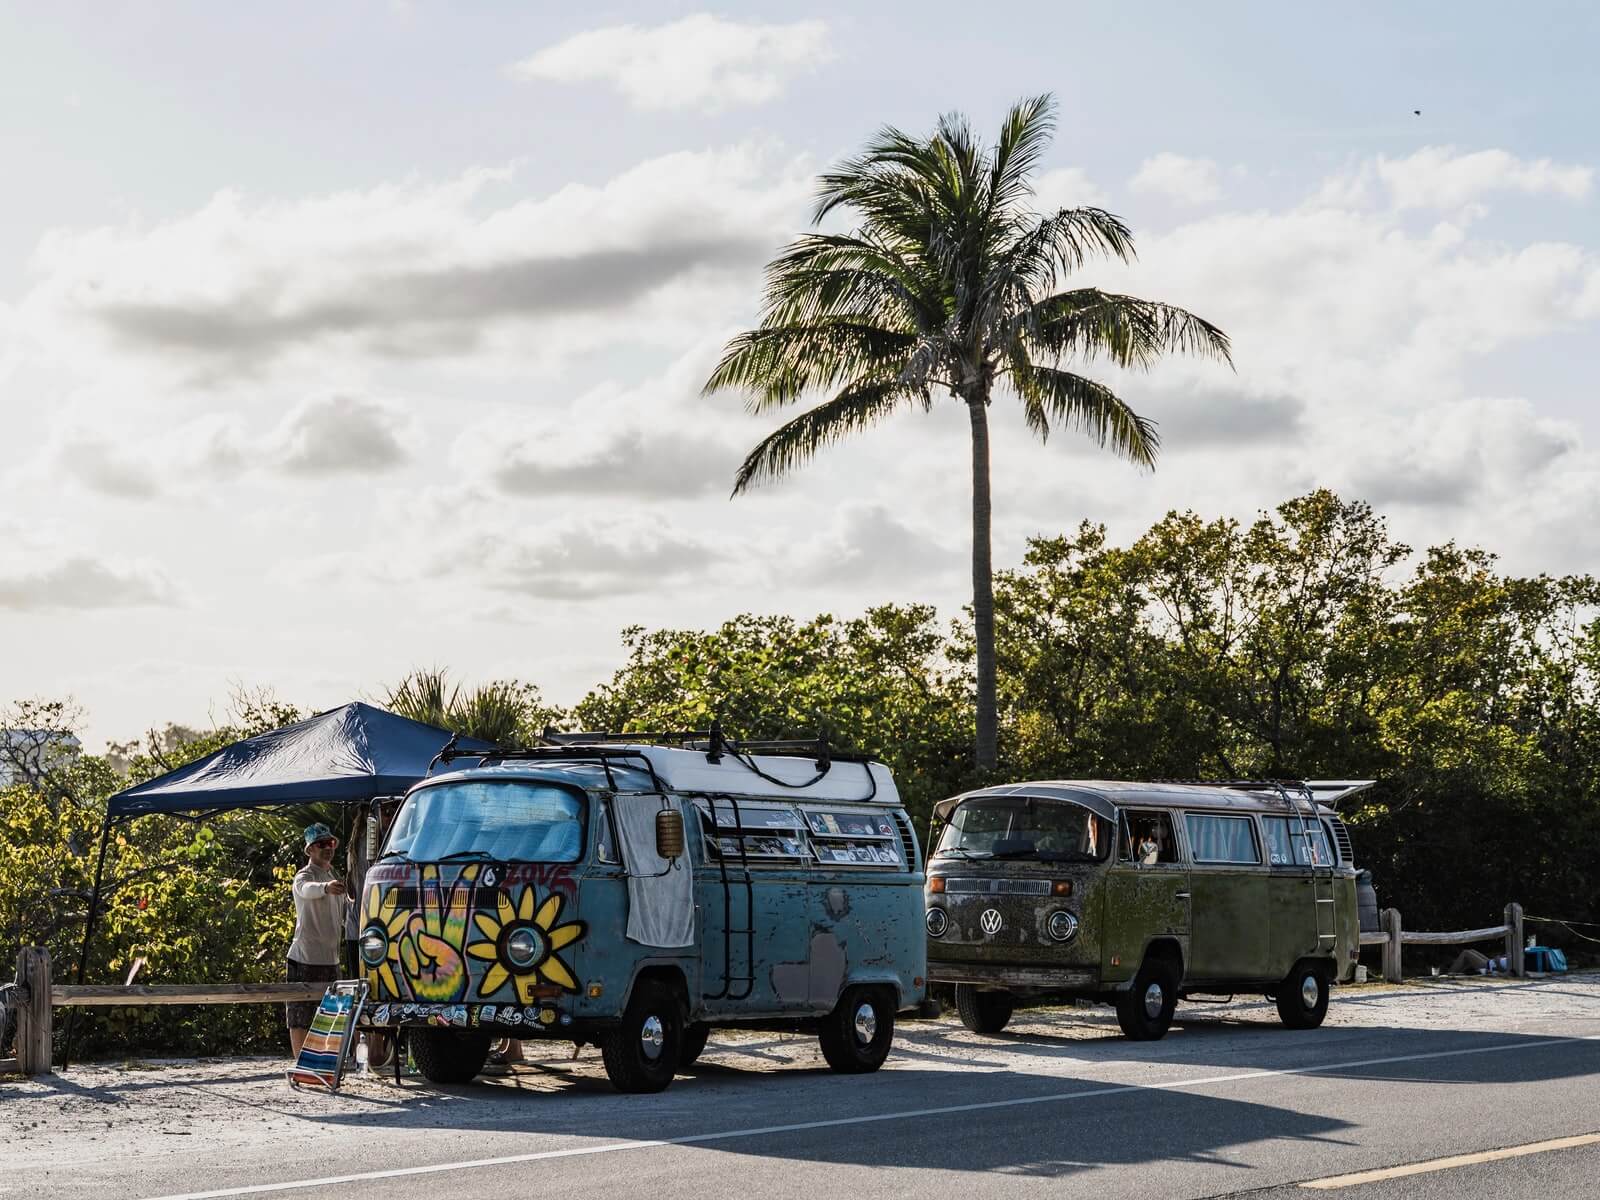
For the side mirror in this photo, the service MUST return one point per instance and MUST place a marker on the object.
(669, 834)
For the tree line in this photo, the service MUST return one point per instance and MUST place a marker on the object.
(1305, 644)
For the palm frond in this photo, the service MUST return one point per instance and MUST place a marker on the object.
(851, 411)
(1026, 134)
(1087, 323)
(778, 364)
(1049, 395)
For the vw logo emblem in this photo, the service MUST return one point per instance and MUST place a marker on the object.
(990, 920)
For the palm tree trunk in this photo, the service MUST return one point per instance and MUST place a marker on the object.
(983, 587)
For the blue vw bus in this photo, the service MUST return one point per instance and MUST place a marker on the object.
(635, 896)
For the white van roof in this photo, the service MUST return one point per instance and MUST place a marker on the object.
(785, 776)
(793, 777)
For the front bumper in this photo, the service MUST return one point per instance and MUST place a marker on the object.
(1055, 979)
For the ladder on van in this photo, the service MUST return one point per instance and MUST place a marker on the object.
(748, 980)
(1302, 804)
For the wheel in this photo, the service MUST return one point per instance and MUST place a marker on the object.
(983, 1012)
(1145, 1010)
(380, 1050)
(1303, 996)
(642, 1052)
(856, 1035)
(449, 1055)
(694, 1043)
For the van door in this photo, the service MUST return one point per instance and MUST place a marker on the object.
(752, 897)
(1292, 887)
(1147, 893)
(1231, 927)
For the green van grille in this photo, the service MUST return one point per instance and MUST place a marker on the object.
(998, 887)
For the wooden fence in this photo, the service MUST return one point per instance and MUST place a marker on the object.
(38, 997)
(1393, 936)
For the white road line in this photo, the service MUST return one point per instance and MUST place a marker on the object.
(261, 1189)
(1446, 1164)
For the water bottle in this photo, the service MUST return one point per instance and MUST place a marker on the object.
(361, 1055)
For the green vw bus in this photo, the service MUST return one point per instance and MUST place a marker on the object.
(1140, 895)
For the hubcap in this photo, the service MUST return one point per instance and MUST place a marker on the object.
(651, 1038)
(1309, 991)
(1154, 1000)
(866, 1024)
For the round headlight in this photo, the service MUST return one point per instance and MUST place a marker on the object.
(1063, 926)
(373, 947)
(523, 947)
(938, 922)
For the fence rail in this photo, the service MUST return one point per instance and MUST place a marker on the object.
(1394, 935)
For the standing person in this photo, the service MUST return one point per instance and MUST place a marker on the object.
(320, 903)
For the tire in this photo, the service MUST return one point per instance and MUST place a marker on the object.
(642, 1053)
(1145, 1010)
(694, 1043)
(1303, 996)
(857, 1034)
(983, 1012)
(448, 1055)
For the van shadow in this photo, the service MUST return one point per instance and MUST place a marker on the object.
(1028, 1125)
(1351, 1052)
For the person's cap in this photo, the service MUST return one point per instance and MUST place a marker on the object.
(317, 831)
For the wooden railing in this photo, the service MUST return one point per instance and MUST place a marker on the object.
(39, 997)
(1393, 936)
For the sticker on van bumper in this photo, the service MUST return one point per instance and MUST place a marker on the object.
(464, 1016)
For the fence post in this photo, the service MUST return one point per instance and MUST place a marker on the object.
(1389, 918)
(1515, 960)
(33, 1020)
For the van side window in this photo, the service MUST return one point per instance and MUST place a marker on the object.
(605, 847)
(1221, 839)
(761, 834)
(1287, 847)
(1148, 838)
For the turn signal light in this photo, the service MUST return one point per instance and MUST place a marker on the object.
(936, 884)
(1061, 887)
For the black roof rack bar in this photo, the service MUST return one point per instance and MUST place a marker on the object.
(604, 755)
(715, 743)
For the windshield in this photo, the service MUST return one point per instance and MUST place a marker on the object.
(507, 820)
(1025, 827)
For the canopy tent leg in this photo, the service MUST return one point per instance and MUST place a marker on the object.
(88, 932)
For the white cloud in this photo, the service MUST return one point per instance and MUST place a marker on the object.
(701, 61)
(1065, 187)
(417, 271)
(1440, 177)
(340, 435)
(1193, 181)
(80, 581)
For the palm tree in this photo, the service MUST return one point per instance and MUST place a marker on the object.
(950, 282)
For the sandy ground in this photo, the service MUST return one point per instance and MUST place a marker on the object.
(100, 1112)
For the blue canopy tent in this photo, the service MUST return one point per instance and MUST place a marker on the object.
(345, 755)
(354, 754)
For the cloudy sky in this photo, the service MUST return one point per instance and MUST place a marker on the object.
(336, 340)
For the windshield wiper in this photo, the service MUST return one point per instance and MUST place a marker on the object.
(963, 851)
(400, 854)
(477, 855)
(1020, 852)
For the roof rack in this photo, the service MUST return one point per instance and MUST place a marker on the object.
(715, 743)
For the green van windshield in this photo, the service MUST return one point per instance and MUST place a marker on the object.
(1025, 827)
(500, 820)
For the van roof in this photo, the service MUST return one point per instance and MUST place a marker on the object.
(1106, 796)
(761, 776)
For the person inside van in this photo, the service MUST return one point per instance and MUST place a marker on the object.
(1146, 849)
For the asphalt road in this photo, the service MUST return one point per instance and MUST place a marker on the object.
(1229, 1103)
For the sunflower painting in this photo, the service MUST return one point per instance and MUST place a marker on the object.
(523, 937)
(383, 924)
